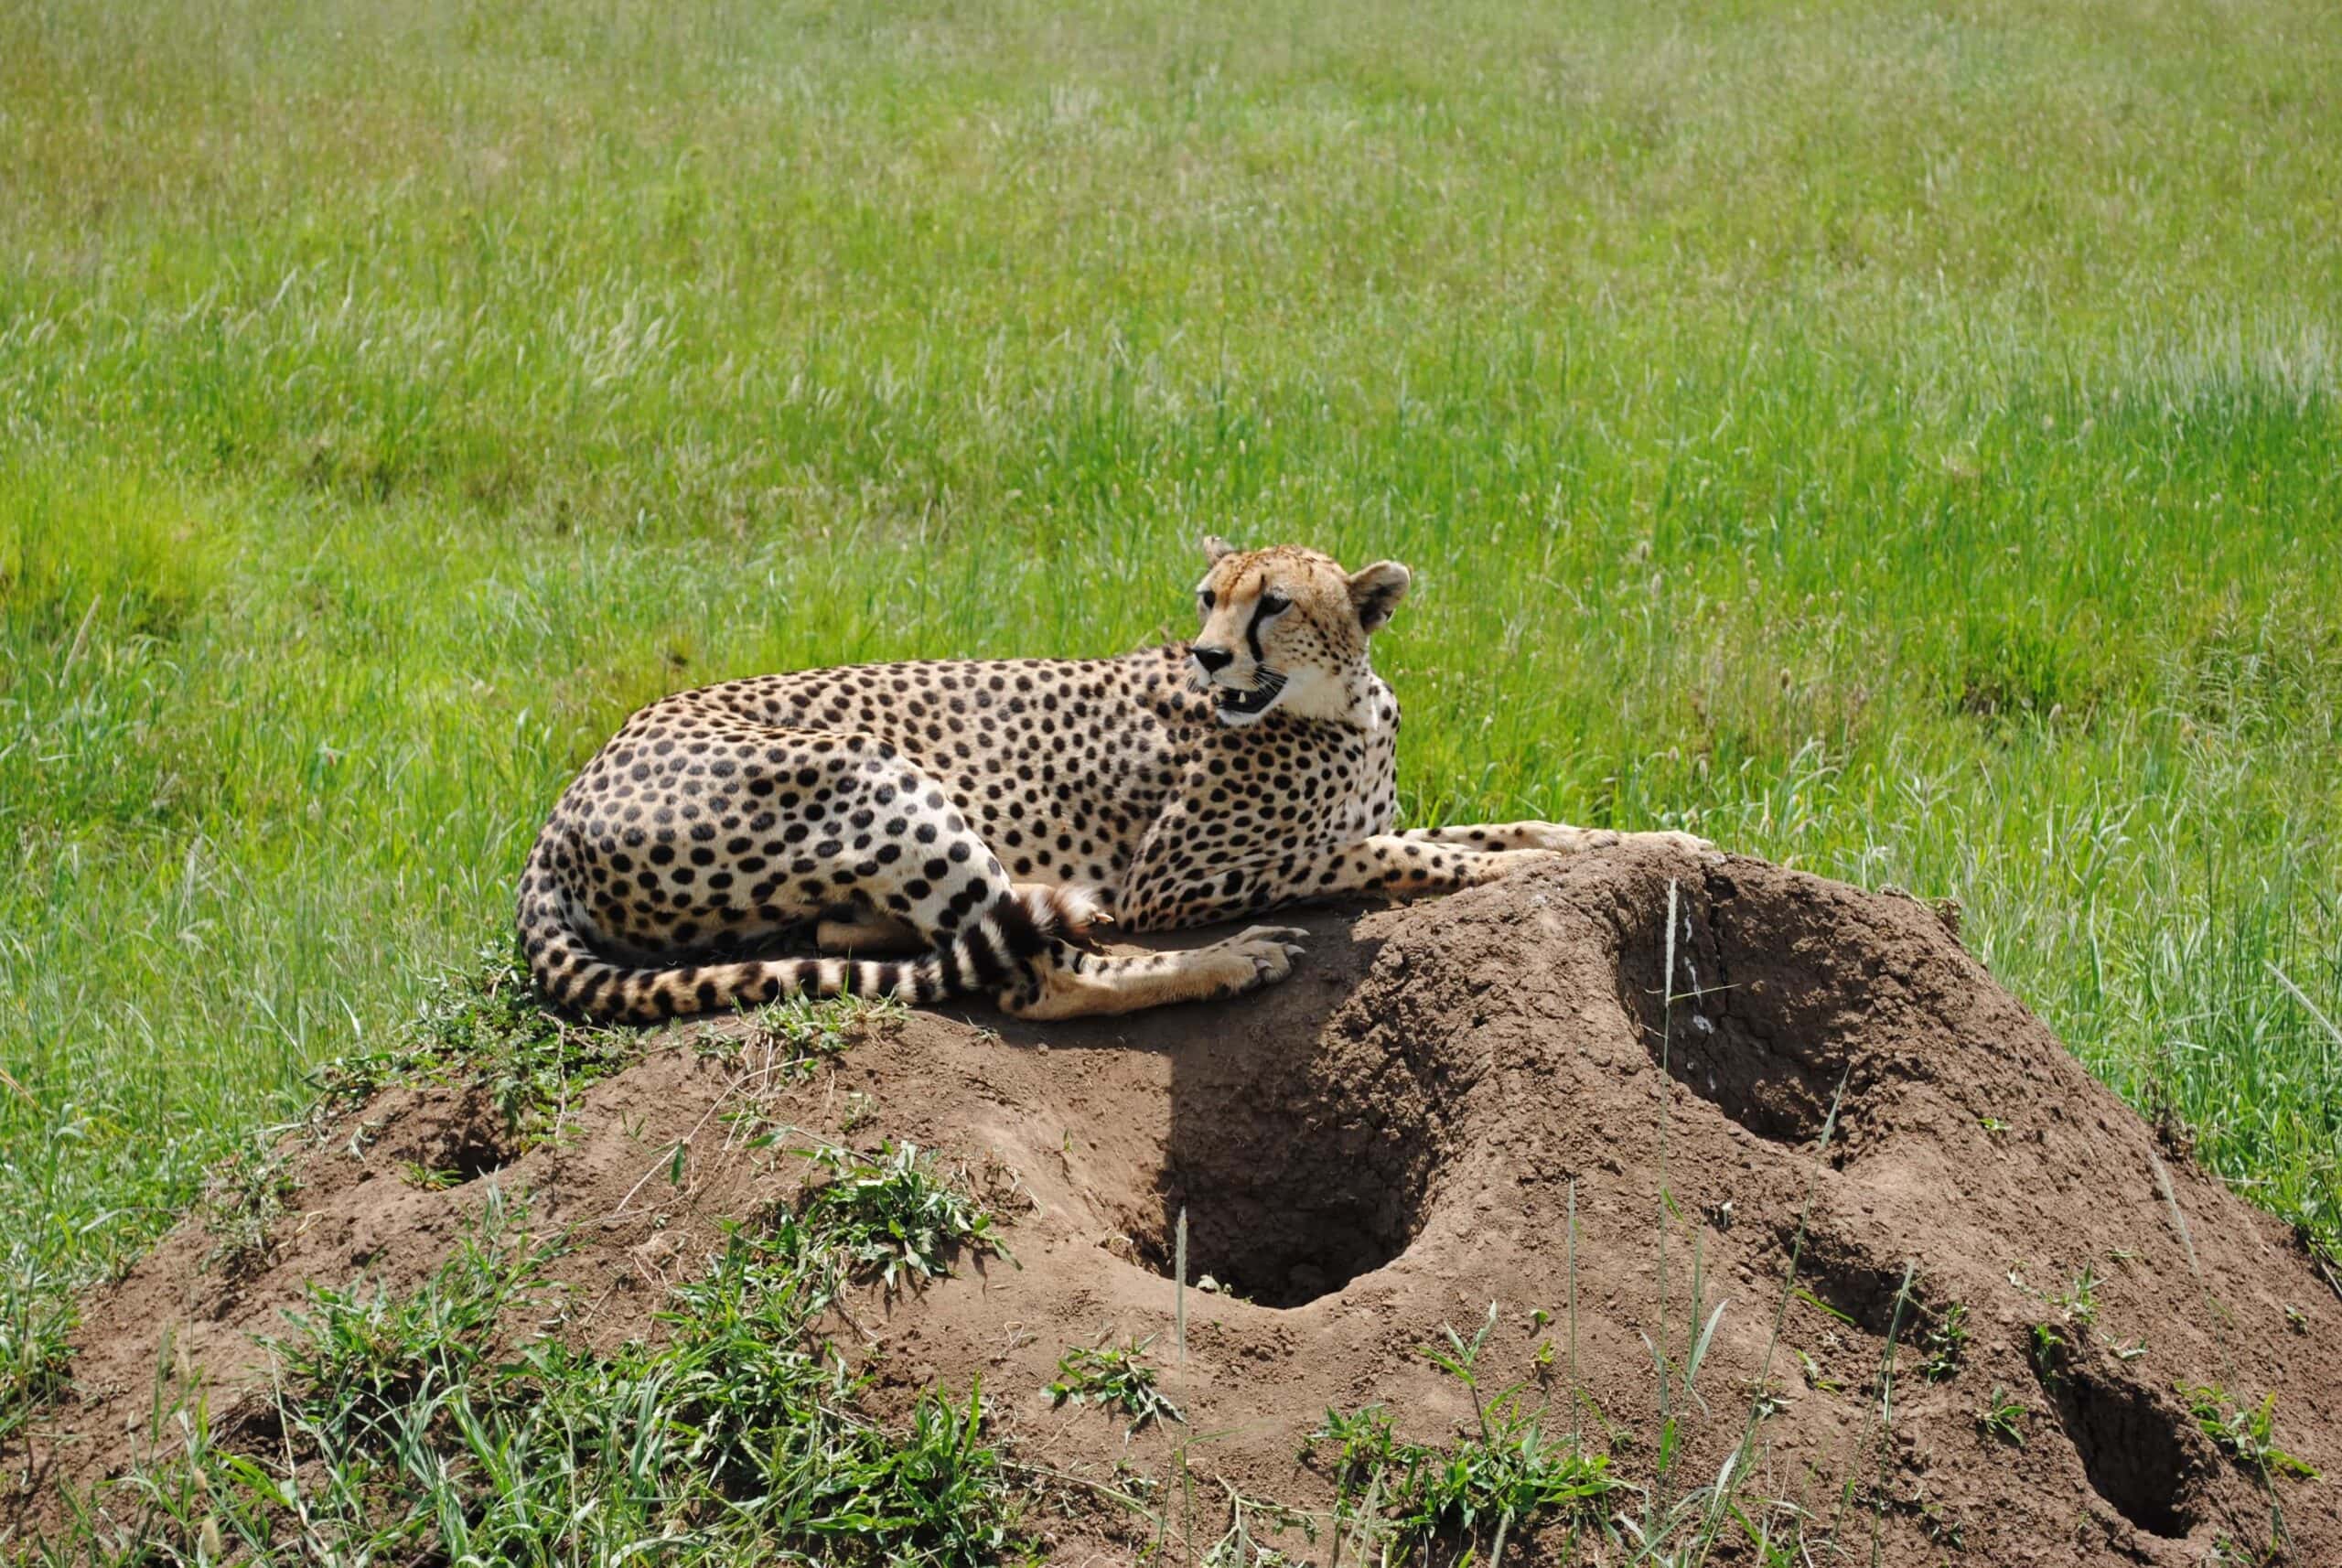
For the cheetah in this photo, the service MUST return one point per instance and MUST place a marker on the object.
(986, 815)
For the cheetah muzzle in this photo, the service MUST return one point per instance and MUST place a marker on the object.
(975, 819)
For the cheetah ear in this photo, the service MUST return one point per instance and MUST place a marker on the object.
(1215, 547)
(1376, 591)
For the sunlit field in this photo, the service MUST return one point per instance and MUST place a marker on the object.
(1901, 440)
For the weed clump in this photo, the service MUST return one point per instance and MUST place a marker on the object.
(788, 1039)
(1117, 1378)
(893, 1216)
(408, 1427)
(357, 1357)
(36, 1316)
(2247, 1434)
(1495, 1480)
(484, 1025)
(1945, 1341)
(247, 1194)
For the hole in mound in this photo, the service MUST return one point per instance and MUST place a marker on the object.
(479, 1152)
(1279, 1239)
(471, 1141)
(1302, 1157)
(1769, 1006)
(2133, 1446)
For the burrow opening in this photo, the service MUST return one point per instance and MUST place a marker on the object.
(2133, 1444)
(470, 1142)
(1303, 1159)
(1765, 1041)
(1271, 1242)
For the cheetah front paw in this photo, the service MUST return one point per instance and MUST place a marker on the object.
(1559, 838)
(1511, 862)
(1690, 843)
(1257, 956)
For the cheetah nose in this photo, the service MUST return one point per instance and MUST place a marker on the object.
(1213, 659)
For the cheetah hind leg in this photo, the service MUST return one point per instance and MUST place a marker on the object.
(855, 929)
(1070, 983)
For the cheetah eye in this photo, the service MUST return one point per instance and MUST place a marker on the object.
(1274, 604)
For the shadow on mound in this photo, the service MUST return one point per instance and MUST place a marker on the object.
(1305, 1128)
(1783, 1000)
(1296, 1176)
(2141, 1451)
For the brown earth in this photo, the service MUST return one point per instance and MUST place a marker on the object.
(1385, 1146)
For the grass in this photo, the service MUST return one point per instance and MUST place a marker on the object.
(1116, 1377)
(2245, 1432)
(483, 1025)
(36, 1317)
(791, 1038)
(893, 1217)
(436, 1426)
(1507, 1475)
(1900, 442)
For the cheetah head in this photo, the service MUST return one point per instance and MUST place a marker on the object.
(1287, 629)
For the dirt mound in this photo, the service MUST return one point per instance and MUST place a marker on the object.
(1390, 1142)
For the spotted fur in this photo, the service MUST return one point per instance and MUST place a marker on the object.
(983, 814)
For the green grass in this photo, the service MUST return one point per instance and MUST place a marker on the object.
(1898, 440)
(1509, 1472)
(893, 1216)
(1114, 1377)
(482, 1024)
(2246, 1433)
(433, 1425)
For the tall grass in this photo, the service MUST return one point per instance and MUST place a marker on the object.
(1898, 441)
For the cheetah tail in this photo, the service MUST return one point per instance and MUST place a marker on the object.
(982, 957)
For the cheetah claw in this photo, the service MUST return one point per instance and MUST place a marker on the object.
(1271, 950)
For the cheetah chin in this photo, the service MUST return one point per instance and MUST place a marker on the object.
(986, 817)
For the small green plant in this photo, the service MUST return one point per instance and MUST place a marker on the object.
(244, 1198)
(2230, 1552)
(2047, 1347)
(1482, 1487)
(1363, 1440)
(892, 1215)
(2003, 1415)
(1946, 1343)
(2080, 1302)
(1117, 1378)
(1942, 1529)
(796, 1035)
(2248, 1436)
